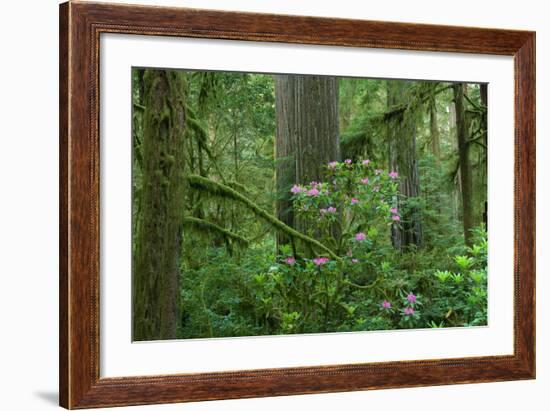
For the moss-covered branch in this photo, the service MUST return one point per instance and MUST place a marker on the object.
(202, 139)
(214, 228)
(221, 190)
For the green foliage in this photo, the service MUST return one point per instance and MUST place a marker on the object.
(340, 271)
(369, 288)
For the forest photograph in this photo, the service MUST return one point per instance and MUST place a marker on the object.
(273, 204)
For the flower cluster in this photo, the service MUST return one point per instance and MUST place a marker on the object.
(394, 214)
(290, 260)
(410, 302)
(328, 210)
(318, 261)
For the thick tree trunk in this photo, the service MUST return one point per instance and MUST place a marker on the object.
(402, 158)
(307, 134)
(434, 129)
(158, 240)
(462, 134)
(484, 100)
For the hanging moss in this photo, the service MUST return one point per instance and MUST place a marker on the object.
(203, 225)
(224, 191)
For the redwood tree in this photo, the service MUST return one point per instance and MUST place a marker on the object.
(463, 136)
(402, 158)
(307, 134)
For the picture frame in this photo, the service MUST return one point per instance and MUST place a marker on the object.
(80, 383)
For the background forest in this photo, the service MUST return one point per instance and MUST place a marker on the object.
(278, 204)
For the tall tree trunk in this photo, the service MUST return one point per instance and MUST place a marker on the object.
(402, 158)
(158, 240)
(307, 134)
(434, 129)
(462, 134)
(484, 100)
(483, 93)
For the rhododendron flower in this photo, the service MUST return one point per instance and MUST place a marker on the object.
(290, 260)
(366, 162)
(354, 200)
(297, 189)
(395, 218)
(411, 298)
(360, 236)
(408, 311)
(393, 210)
(320, 261)
(393, 174)
(313, 192)
(365, 180)
(386, 304)
(332, 165)
(347, 161)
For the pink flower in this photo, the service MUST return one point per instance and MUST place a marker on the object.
(365, 180)
(366, 162)
(297, 189)
(313, 192)
(408, 311)
(378, 171)
(354, 260)
(320, 261)
(347, 161)
(354, 200)
(386, 304)
(393, 174)
(290, 260)
(332, 165)
(395, 218)
(393, 210)
(360, 236)
(411, 298)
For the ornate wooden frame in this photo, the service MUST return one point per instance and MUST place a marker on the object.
(81, 24)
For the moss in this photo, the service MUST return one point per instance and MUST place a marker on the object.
(214, 228)
(159, 230)
(221, 190)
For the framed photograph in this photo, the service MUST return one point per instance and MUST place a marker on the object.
(258, 205)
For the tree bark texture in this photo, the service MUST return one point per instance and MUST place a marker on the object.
(434, 129)
(462, 134)
(307, 135)
(158, 240)
(403, 159)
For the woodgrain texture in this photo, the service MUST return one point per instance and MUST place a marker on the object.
(80, 26)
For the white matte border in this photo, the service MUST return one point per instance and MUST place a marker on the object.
(121, 357)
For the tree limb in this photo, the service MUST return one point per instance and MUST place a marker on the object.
(209, 226)
(218, 189)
